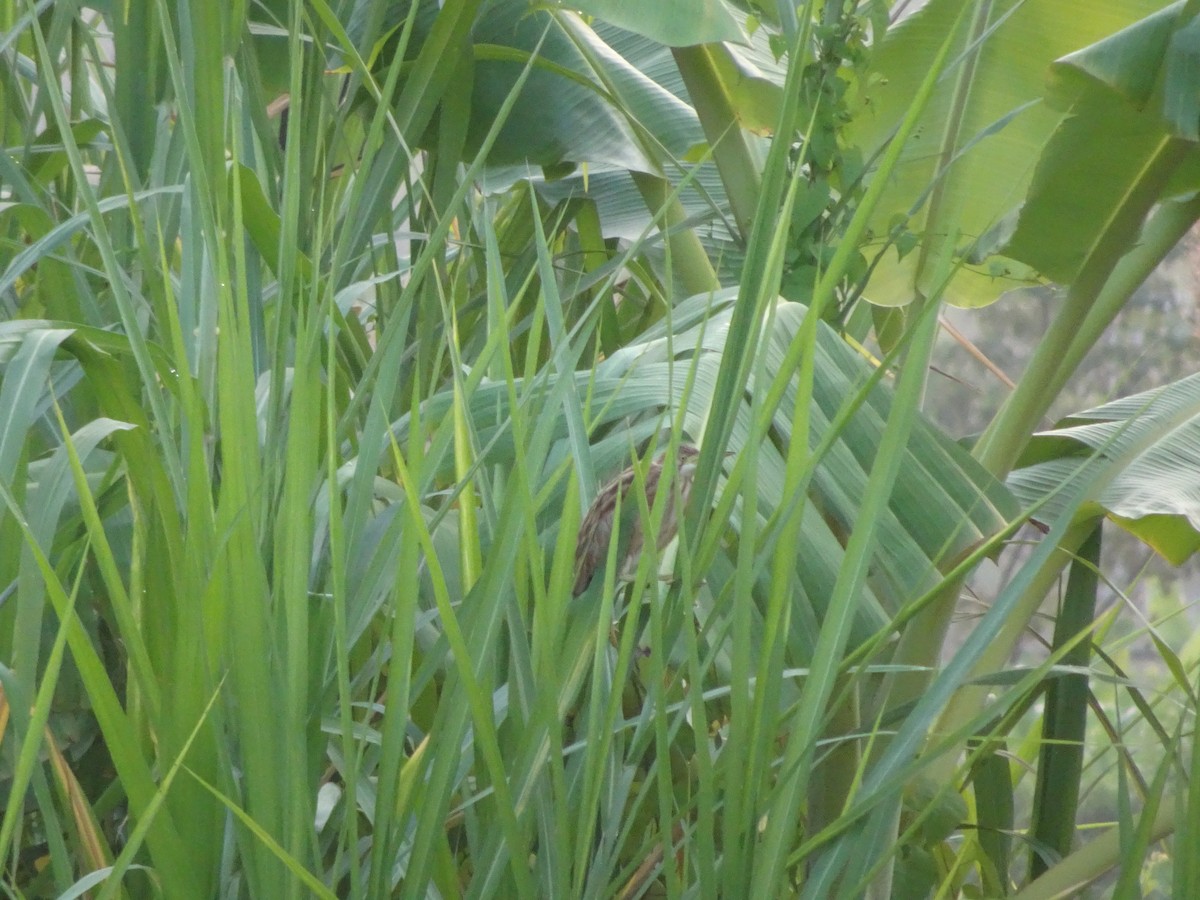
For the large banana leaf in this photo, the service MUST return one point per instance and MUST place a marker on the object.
(1150, 442)
(974, 154)
(1128, 142)
(676, 23)
(943, 503)
(604, 101)
(583, 103)
(749, 74)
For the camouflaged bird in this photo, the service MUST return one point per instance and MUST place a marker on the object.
(595, 532)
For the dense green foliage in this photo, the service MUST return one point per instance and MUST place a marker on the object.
(322, 323)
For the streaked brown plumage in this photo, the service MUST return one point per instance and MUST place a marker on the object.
(595, 532)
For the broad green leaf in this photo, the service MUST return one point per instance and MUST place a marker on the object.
(676, 23)
(1128, 61)
(1119, 150)
(753, 84)
(1153, 438)
(262, 222)
(645, 78)
(598, 95)
(973, 157)
(64, 231)
(564, 113)
(1103, 168)
(48, 290)
(943, 504)
(1179, 88)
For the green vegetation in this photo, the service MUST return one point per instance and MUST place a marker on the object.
(322, 323)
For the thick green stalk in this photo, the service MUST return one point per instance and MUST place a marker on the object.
(969, 698)
(1168, 224)
(732, 153)
(1056, 797)
(991, 777)
(690, 266)
(1006, 437)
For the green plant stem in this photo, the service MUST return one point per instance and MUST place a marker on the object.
(690, 266)
(1009, 432)
(731, 150)
(1060, 762)
(969, 698)
(1162, 233)
(991, 777)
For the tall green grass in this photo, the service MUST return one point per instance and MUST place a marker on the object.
(297, 425)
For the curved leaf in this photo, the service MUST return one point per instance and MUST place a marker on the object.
(943, 504)
(1123, 147)
(676, 23)
(1153, 438)
(562, 115)
(1102, 170)
(1128, 61)
(981, 137)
